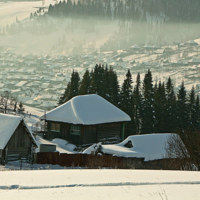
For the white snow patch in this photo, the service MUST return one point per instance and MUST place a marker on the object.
(62, 146)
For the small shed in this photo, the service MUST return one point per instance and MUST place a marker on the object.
(85, 119)
(16, 140)
(148, 146)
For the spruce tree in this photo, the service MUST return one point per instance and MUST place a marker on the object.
(113, 87)
(85, 83)
(72, 89)
(126, 94)
(191, 107)
(170, 109)
(160, 105)
(197, 112)
(97, 85)
(182, 109)
(65, 96)
(137, 102)
(126, 103)
(148, 110)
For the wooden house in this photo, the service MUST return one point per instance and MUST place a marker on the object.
(85, 119)
(16, 140)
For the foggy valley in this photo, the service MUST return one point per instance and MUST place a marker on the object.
(42, 47)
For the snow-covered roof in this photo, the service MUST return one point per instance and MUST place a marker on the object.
(192, 42)
(88, 110)
(62, 146)
(135, 47)
(9, 124)
(149, 146)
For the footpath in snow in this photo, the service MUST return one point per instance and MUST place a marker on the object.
(99, 184)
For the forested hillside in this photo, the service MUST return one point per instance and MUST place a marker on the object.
(167, 10)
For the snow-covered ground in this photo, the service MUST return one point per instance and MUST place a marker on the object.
(32, 115)
(99, 184)
(9, 10)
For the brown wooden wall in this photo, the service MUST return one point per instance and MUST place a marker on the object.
(19, 144)
(63, 134)
(20, 138)
(89, 133)
(108, 131)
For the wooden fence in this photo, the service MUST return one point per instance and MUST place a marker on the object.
(108, 161)
(89, 161)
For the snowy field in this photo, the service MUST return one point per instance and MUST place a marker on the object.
(99, 184)
(9, 10)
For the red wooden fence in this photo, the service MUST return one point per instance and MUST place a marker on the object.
(90, 161)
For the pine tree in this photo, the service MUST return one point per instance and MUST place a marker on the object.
(113, 87)
(65, 96)
(97, 85)
(85, 83)
(148, 110)
(192, 111)
(160, 105)
(182, 110)
(126, 94)
(170, 109)
(137, 101)
(126, 103)
(75, 82)
(21, 107)
(72, 89)
(197, 112)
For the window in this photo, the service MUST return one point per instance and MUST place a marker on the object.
(55, 127)
(75, 130)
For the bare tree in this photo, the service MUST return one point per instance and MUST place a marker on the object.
(8, 102)
(185, 149)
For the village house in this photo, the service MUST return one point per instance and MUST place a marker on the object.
(16, 140)
(85, 119)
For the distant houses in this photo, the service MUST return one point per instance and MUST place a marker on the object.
(16, 140)
(86, 119)
(30, 76)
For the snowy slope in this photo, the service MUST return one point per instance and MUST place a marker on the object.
(100, 184)
(9, 10)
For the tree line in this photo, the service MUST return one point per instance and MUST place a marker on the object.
(152, 107)
(169, 10)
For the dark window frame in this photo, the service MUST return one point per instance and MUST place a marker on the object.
(75, 130)
(55, 127)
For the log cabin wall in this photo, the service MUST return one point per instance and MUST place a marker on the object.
(108, 130)
(20, 138)
(89, 134)
(65, 131)
(48, 134)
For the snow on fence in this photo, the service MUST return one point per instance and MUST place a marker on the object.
(88, 160)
